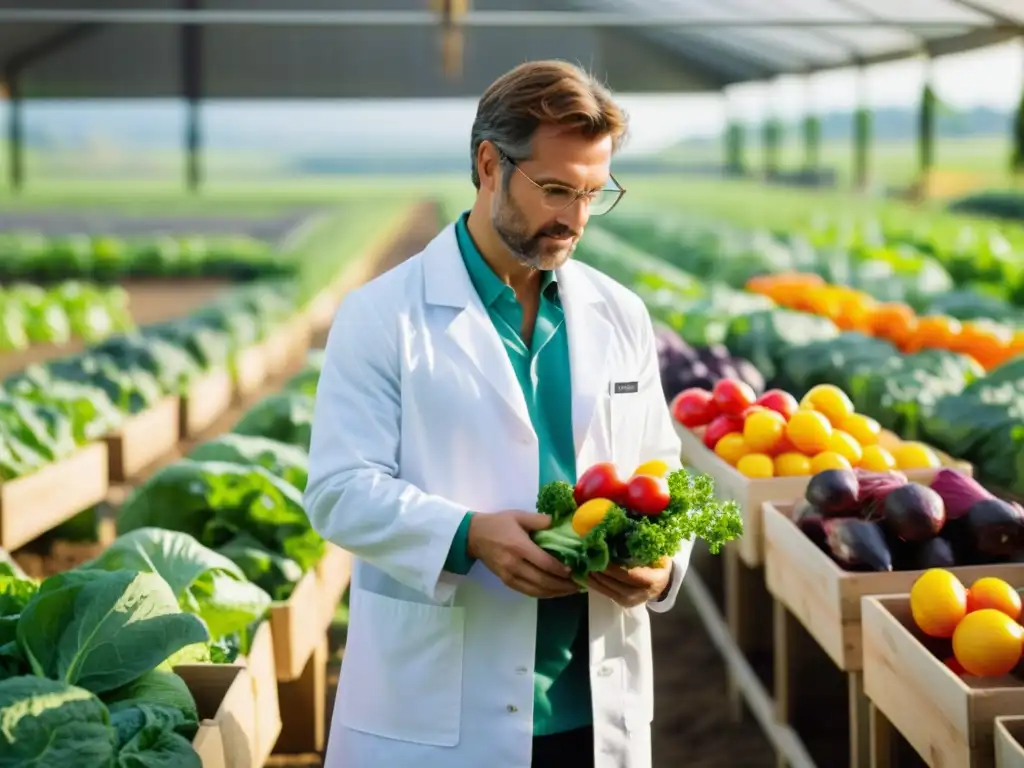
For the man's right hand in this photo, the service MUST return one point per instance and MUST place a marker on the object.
(502, 541)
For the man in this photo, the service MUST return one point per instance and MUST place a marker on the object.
(454, 386)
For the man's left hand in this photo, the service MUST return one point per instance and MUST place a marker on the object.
(632, 587)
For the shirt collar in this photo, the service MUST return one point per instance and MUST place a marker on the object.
(487, 284)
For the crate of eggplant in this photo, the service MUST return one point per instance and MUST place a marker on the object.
(856, 533)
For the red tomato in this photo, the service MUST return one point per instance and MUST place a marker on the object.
(601, 481)
(693, 407)
(779, 401)
(732, 396)
(719, 427)
(647, 495)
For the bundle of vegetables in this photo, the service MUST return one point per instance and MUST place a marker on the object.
(879, 521)
(638, 521)
(31, 314)
(684, 366)
(38, 257)
(86, 670)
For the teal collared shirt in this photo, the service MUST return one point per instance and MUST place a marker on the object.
(562, 669)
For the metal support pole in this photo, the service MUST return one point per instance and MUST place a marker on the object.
(191, 80)
(862, 132)
(15, 133)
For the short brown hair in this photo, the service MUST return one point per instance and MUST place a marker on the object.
(543, 92)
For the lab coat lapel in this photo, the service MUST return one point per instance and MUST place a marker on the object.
(590, 351)
(447, 284)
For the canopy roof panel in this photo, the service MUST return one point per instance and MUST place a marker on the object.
(270, 49)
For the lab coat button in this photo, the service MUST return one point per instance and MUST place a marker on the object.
(521, 670)
(512, 708)
(604, 671)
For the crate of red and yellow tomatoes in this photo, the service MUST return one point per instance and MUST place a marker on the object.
(766, 448)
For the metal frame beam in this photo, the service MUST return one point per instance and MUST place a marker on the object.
(978, 8)
(520, 19)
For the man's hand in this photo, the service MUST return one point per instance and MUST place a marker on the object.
(502, 541)
(632, 587)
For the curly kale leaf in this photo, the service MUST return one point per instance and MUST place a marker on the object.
(557, 499)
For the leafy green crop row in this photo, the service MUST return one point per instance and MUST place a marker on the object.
(205, 545)
(49, 409)
(32, 314)
(42, 258)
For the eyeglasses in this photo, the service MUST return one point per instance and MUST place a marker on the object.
(558, 197)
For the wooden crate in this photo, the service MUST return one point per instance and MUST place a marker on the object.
(751, 494)
(948, 720)
(36, 503)
(1009, 742)
(322, 309)
(278, 350)
(261, 668)
(227, 735)
(208, 398)
(144, 438)
(827, 599)
(333, 573)
(295, 625)
(250, 371)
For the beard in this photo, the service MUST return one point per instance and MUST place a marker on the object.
(530, 249)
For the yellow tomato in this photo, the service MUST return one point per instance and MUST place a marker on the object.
(828, 460)
(877, 459)
(763, 430)
(829, 400)
(846, 446)
(756, 465)
(792, 464)
(654, 468)
(861, 428)
(589, 514)
(809, 431)
(732, 447)
(889, 441)
(915, 455)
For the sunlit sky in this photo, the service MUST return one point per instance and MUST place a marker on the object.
(991, 77)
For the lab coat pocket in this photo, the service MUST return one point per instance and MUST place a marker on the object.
(627, 415)
(403, 670)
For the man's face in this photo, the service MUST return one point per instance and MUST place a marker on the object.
(534, 211)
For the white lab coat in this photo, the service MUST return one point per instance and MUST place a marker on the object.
(418, 419)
